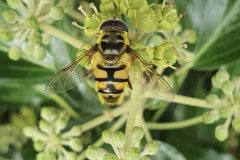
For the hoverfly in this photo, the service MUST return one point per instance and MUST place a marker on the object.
(111, 60)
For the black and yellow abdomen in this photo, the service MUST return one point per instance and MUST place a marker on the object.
(111, 80)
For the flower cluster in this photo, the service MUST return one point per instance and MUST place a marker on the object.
(225, 105)
(11, 133)
(21, 22)
(143, 21)
(117, 141)
(51, 139)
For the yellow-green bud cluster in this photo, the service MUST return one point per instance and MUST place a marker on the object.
(21, 22)
(51, 140)
(225, 106)
(117, 140)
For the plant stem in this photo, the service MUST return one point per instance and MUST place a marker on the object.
(103, 118)
(116, 126)
(175, 125)
(195, 102)
(61, 35)
(134, 104)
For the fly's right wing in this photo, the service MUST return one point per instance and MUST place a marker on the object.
(72, 74)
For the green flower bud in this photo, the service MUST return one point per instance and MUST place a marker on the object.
(91, 26)
(133, 154)
(236, 124)
(32, 23)
(39, 52)
(49, 114)
(107, 136)
(210, 117)
(46, 38)
(137, 4)
(73, 132)
(137, 134)
(56, 13)
(123, 7)
(225, 111)
(109, 8)
(6, 35)
(70, 156)
(62, 121)
(168, 19)
(35, 37)
(118, 139)
(151, 148)
(110, 156)
(46, 156)
(222, 75)
(212, 99)
(29, 49)
(39, 145)
(227, 87)
(95, 153)
(146, 20)
(66, 5)
(34, 133)
(221, 132)
(10, 16)
(45, 126)
(15, 53)
(14, 4)
(215, 82)
(165, 55)
(75, 144)
(132, 14)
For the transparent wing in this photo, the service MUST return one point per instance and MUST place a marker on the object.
(72, 74)
(148, 78)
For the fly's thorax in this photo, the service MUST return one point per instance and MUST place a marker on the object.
(112, 44)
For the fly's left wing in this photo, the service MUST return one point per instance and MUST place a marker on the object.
(72, 74)
(148, 77)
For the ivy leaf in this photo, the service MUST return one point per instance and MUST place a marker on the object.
(218, 28)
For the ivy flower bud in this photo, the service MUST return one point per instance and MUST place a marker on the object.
(56, 13)
(38, 52)
(227, 87)
(49, 114)
(132, 14)
(32, 23)
(73, 132)
(210, 117)
(145, 158)
(165, 55)
(90, 26)
(61, 123)
(137, 3)
(133, 154)
(14, 4)
(6, 35)
(107, 136)
(45, 126)
(10, 16)
(118, 139)
(137, 134)
(221, 132)
(39, 145)
(225, 111)
(146, 53)
(146, 20)
(35, 37)
(236, 124)
(95, 153)
(75, 144)
(168, 19)
(46, 156)
(70, 156)
(110, 156)
(215, 82)
(212, 99)
(222, 76)
(123, 7)
(190, 36)
(151, 148)
(15, 53)
(108, 7)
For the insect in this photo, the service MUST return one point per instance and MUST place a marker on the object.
(111, 60)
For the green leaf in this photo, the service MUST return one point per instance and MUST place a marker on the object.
(168, 152)
(218, 28)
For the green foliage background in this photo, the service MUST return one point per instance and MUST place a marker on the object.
(217, 23)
